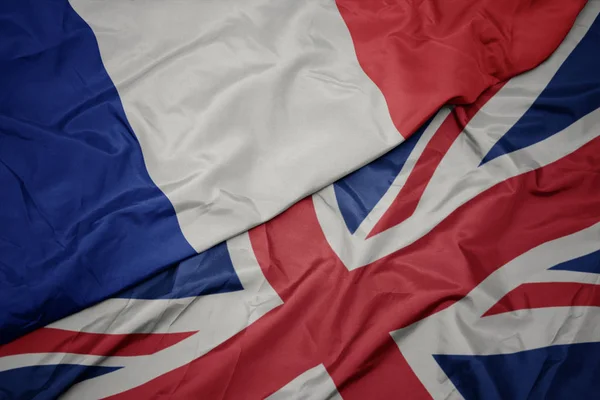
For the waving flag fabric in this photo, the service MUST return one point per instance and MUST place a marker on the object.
(461, 264)
(135, 134)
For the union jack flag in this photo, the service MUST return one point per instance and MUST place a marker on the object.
(462, 264)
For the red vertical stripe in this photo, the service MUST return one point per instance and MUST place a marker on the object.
(423, 54)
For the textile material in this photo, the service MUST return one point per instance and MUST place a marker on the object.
(136, 134)
(461, 264)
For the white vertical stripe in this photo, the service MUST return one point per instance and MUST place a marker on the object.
(241, 107)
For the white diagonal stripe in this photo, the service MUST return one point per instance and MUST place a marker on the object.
(459, 178)
(460, 329)
(314, 384)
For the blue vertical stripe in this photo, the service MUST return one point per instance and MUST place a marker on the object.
(80, 218)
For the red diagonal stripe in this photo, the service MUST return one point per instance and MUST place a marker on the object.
(547, 294)
(343, 319)
(51, 340)
(408, 198)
